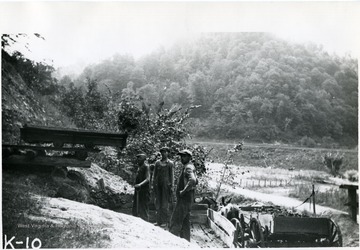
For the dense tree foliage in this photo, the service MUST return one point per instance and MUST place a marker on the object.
(148, 124)
(250, 86)
(148, 127)
(149, 131)
(87, 108)
(37, 75)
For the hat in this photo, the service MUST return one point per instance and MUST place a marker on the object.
(185, 152)
(164, 149)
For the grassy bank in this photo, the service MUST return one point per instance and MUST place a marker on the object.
(278, 155)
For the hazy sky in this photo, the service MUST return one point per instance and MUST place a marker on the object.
(92, 31)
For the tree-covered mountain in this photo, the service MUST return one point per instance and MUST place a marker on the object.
(251, 86)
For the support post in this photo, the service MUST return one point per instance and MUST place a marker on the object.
(353, 201)
(313, 195)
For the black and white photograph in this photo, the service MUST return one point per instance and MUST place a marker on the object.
(179, 124)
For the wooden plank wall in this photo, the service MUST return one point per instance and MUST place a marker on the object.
(222, 227)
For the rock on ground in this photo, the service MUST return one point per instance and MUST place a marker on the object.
(111, 181)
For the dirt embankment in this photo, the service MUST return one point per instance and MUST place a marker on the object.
(30, 210)
(113, 230)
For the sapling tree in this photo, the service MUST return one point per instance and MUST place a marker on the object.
(227, 175)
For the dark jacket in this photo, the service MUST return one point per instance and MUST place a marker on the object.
(187, 180)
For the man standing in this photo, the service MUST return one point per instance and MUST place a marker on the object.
(162, 183)
(185, 191)
(142, 189)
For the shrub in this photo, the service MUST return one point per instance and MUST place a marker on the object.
(333, 162)
(227, 175)
(307, 142)
(328, 142)
(148, 130)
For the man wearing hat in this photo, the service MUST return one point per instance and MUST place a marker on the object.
(142, 189)
(163, 180)
(185, 191)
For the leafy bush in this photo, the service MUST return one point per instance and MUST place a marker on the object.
(333, 162)
(329, 142)
(148, 130)
(307, 142)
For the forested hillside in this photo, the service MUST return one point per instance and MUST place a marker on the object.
(30, 95)
(250, 86)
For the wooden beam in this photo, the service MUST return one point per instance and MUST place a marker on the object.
(36, 134)
(47, 161)
(350, 186)
(49, 148)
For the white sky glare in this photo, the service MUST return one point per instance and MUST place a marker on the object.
(91, 31)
